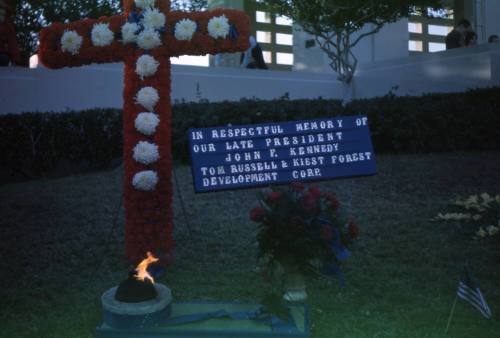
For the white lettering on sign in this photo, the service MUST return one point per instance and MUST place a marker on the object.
(308, 161)
(237, 157)
(244, 132)
(316, 149)
(303, 139)
(204, 148)
(315, 125)
(219, 170)
(241, 144)
(197, 135)
(254, 166)
(306, 173)
(240, 179)
(241, 156)
(361, 121)
(349, 158)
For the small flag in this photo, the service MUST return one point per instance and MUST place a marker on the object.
(469, 291)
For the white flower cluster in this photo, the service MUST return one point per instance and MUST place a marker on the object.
(479, 203)
(153, 19)
(184, 29)
(145, 34)
(147, 97)
(71, 42)
(101, 35)
(148, 39)
(146, 66)
(490, 230)
(146, 152)
(218, 27)
(129, 32)
(457, 216)
(144, 4)
(145, 180)
(146, 123)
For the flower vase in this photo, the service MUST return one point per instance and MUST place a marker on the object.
(294, 285)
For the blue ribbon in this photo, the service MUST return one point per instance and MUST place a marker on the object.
(233, 33)
(340, 251)
(260, 316)
(133, 17)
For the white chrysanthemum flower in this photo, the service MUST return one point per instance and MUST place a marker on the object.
(153, 18)
(145, 180)
(143, 4)
(129, 32)
(71, 42)
(185, 29)
(218, 27)
(147, 97)
(146, 123)
(101, 35)
(146, 66)
(146, 152)
(148, 39)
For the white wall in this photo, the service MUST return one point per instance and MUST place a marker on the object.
(491, 18)
(26, 90)
(454, 70)
(29, 90)
(390, 43)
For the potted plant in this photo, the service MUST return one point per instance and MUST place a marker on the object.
(301, 231)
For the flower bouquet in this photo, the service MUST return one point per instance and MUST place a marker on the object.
(301, 230)
(481, 211)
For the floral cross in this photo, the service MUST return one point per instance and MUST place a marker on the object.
(145, 38)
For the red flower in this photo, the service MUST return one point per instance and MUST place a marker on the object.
(274, 197)
(326, 232)
(315, 191)
(257, 214)
(353, 229)
(334, 202)
(310, 202)
(297, 186)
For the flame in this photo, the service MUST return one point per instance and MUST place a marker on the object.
(141, 270)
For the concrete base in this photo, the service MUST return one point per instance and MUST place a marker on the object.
(215, 327)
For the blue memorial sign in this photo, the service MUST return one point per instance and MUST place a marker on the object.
(275, 153)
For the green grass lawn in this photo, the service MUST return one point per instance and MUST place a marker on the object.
(59, 253)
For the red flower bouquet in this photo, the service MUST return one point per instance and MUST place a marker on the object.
(303, 228)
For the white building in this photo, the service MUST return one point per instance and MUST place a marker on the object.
(404, 58)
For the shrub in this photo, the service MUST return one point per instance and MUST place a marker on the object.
(36, 143)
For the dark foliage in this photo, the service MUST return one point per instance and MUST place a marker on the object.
(37, 143)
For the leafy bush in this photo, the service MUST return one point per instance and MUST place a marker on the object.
(36, 143)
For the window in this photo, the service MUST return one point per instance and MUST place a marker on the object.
(268, 56)
(284, 20)
(310, 43)
(436, 47)
(263, 17)
(415, 46)
(264, 37)
(415, 27)
(284, 58)
(284, 39)
(439, 30)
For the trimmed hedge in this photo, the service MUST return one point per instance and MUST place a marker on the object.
(36, 143)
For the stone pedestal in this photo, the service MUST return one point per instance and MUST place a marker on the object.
(121, 315)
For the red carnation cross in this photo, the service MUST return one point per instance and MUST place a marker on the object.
(148, 213)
